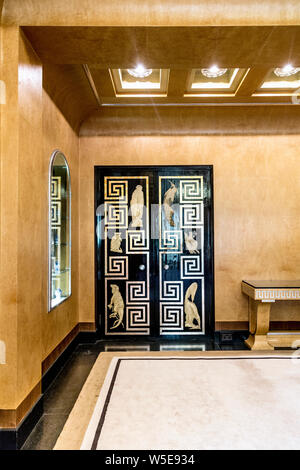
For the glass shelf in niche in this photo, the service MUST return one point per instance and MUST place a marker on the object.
(59, 230)
(61, 244)
(57, 300)
(58, 273)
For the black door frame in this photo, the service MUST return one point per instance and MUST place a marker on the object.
(210, 325)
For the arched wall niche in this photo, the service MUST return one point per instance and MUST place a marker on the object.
(59, 237)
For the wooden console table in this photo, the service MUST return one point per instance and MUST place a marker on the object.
(261, 296)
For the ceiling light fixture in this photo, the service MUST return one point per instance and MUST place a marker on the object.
(139, 72)
(286, 71)
(213, 72)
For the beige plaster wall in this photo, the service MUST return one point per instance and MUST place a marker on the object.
(31, 129)
(27, 233)
(151, 12)
(9, 208)
(256, 203)
(57, 134)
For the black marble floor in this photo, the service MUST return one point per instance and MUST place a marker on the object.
(62, 394)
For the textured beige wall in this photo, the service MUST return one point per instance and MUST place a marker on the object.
(9, 209)
(256, 203)
(57, 134)
(31, 129)
(28, 223)
(151, 12)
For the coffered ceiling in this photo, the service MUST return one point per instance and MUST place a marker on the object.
(86, 68)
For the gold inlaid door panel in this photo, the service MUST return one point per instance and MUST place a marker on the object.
(123, 237)
(154, 258)
(181, 250)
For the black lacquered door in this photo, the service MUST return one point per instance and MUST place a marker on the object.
(154, 251)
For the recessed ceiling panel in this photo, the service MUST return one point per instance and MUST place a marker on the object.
(214, 80)
(285, 78)
(152, 82)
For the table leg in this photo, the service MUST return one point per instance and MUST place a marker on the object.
(259, 323)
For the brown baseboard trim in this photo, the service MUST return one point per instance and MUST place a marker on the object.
(84, 332)
(87, 326)
(285, 325)
(12, 418)
(244, 325)
(16, 424)
(231, 325)
(51, 358)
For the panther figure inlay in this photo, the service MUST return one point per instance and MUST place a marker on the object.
(117, 306)
(190, 309)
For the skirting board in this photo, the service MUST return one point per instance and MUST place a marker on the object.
(244, 325)
(13, 439)
(50, 374)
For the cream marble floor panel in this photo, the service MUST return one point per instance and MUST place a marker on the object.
(74, 430)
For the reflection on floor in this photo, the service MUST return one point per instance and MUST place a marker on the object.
(60, 397)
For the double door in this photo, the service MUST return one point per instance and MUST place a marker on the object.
(154, 251)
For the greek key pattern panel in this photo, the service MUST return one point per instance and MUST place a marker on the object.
(117, 266)
(191, 190)
(116, 190)
(277, 294)
(171, 240)
(56, 188)
(138, 318)
(172, 291)
(55, 212)
(115, 215)
(181, 262)
(137, 291)
(191, 267)
(191, 215)
(171, 318)
(136, 240)
(126, 253)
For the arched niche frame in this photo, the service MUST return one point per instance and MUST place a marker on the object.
(59, 228)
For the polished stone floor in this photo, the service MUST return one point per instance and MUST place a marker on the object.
(62, 394)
